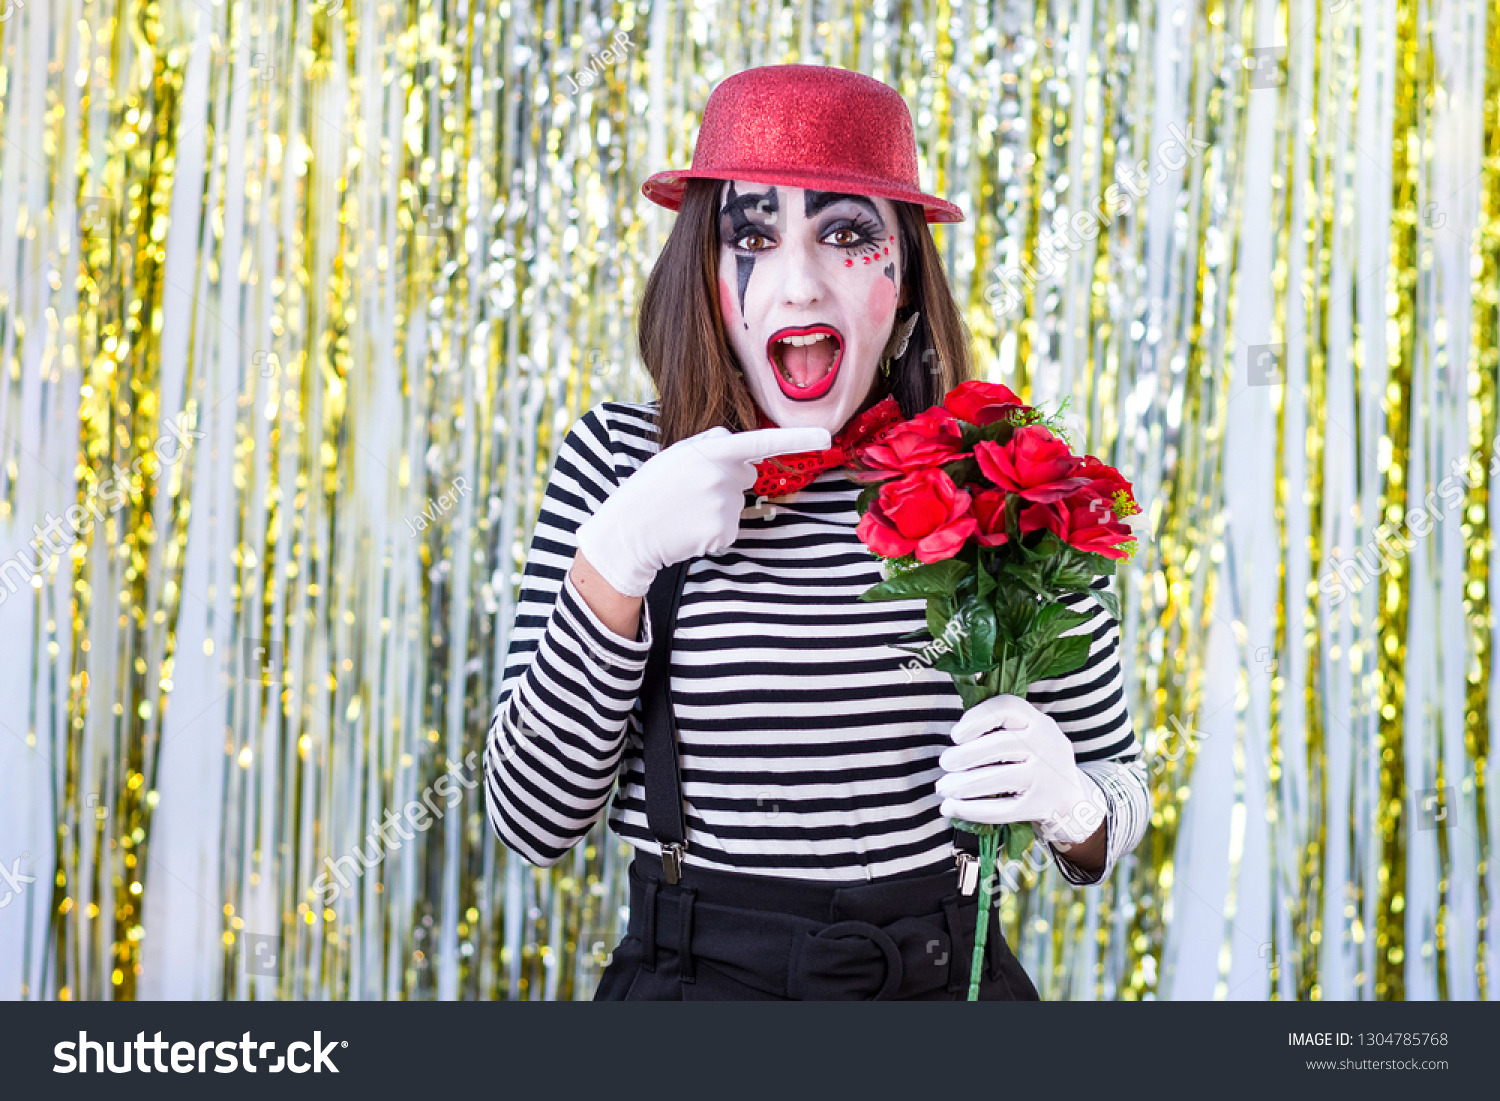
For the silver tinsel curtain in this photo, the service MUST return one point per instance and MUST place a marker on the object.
(300, 299)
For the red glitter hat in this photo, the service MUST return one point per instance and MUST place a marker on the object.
(808, 126)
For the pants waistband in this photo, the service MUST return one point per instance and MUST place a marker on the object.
(887, 938)
(878, 900)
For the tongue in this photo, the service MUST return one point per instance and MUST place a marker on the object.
(806, 365)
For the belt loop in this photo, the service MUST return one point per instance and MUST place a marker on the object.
(959, 955)
(685, 904)
(648, 925)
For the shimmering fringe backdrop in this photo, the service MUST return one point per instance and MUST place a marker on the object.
(380, 256)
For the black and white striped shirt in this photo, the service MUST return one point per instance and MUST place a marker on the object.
(808, 743)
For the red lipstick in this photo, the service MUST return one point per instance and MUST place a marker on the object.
(779, 346)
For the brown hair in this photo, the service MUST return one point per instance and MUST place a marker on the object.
(687, 352)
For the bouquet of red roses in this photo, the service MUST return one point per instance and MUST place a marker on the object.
(980, 506)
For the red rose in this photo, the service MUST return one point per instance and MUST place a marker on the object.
(1083, 520)
(981, 403)
(1035, 464)
(931, 438)
(922, 512)
(1108, 483)
(989, 511)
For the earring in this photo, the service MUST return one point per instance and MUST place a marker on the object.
(900, 338)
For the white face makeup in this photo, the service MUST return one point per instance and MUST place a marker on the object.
(808, 287)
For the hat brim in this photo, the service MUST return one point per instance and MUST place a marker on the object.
(667, 188)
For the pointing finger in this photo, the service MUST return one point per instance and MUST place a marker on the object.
(762, 443)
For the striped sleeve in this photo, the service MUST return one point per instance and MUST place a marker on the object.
(1088, 704)
(570, 682)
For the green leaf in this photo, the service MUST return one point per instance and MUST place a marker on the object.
(972, 634)
(1011, 675)
(866, 495)
(1074, 570)
(965, 589)
(962, 470)
(929, 579)
(970, 693)
(1053, 620)
(1101, 564)
(1029, 575)
(1018, 838)
(1015, 605)
(996, 432)
(1060, 656)
(999, 431)
(1110, 601)
(1046, 546)
(939, 612)
(984, 580)
(982, 630)
(954, 664)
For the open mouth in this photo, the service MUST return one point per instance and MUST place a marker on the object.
(805, 360)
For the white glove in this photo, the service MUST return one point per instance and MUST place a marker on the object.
(1013, 763)
(683, 502)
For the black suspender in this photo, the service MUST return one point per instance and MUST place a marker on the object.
(659, 724)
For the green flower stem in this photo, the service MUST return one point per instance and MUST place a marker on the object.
(1015, 838)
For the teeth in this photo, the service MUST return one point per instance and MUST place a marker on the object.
(803, 341)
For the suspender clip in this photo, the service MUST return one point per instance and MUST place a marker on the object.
(968, 872)
(671, 859)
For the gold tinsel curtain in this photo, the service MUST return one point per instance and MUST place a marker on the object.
(301, 298)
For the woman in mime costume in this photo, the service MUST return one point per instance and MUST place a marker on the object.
(689, 635)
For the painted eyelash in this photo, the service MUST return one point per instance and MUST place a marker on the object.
(749, 231)
(869, 233)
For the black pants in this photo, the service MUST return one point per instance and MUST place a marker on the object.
(761, 938)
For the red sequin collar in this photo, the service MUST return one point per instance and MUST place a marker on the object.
(784, 474)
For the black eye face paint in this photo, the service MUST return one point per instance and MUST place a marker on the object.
(871, 242)
(814, 201)
(734, 221)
